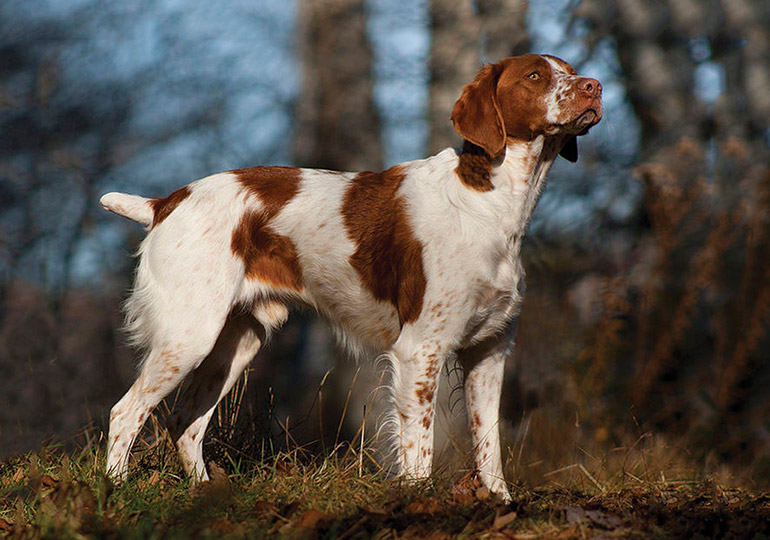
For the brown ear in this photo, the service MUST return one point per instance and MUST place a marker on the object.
(569, 151)
(476, 115)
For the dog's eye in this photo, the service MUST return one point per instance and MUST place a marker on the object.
(534, 75)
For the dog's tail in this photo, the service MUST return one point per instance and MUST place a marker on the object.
(132, 207)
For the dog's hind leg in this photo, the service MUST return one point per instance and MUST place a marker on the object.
(164, 368)
(237, 345)
(180, 330)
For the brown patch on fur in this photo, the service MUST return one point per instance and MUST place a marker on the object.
(426, 420)
(476, 114)
(475, 168)
(388, 257)
(274, 186)
(476, 420)
(268, 256)
(162, 208)
(424, 392)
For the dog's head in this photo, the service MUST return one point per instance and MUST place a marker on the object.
(522, 97)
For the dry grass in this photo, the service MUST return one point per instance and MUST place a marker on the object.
(632, 493)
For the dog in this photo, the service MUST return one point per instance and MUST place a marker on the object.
(421, 261)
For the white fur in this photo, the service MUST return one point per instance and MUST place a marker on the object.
(196, 313)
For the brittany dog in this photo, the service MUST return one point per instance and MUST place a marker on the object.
(420, 262)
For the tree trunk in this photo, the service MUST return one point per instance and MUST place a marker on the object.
(337, 125)
(465, 34)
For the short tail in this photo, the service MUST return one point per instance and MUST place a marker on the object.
(132, 207)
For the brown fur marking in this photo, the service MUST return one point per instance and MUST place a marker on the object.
(268, 256)
(388, 257)
(274, 186)
(424, 392)
(162, 208)
(475, 168)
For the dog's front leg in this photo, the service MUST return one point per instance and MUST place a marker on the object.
(484, 366)
(416, 369)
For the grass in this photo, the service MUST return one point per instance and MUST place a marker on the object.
(59, 494)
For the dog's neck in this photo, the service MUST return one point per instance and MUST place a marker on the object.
(515, 177)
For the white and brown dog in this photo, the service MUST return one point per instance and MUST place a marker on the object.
(420, 261)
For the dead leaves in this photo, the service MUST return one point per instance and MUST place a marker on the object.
(503, 520)
(575, 514)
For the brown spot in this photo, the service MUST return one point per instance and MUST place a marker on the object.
(426, 420)
(424, 392)
(475, 168)
(476, 420)
(268, 256)
(476, 114)
(388, 257)
(274, 186)
(162, 208)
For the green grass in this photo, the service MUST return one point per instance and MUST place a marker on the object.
(56, 494)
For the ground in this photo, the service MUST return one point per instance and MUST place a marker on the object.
(57, 494)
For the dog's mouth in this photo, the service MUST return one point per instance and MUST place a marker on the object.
(591, 116)
(588, 118)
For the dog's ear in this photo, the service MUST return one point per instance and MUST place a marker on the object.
(569, 151)
(476, 115)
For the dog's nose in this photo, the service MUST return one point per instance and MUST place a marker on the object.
(590, 88)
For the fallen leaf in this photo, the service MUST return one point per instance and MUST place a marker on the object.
(463, 490)
(502, 521)
(576, 514)
(310, 519)
(217, 488)
(154, 478)
(428, 505)
(262, 508)
(49, 481)
(572, 533)
(482, 493)
(5, 525)
(464, 498)
(218, 475)
(374, 511)
(18, 476)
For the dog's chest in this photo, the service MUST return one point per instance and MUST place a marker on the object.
(497, 299)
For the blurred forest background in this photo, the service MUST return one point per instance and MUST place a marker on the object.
(647, 314)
